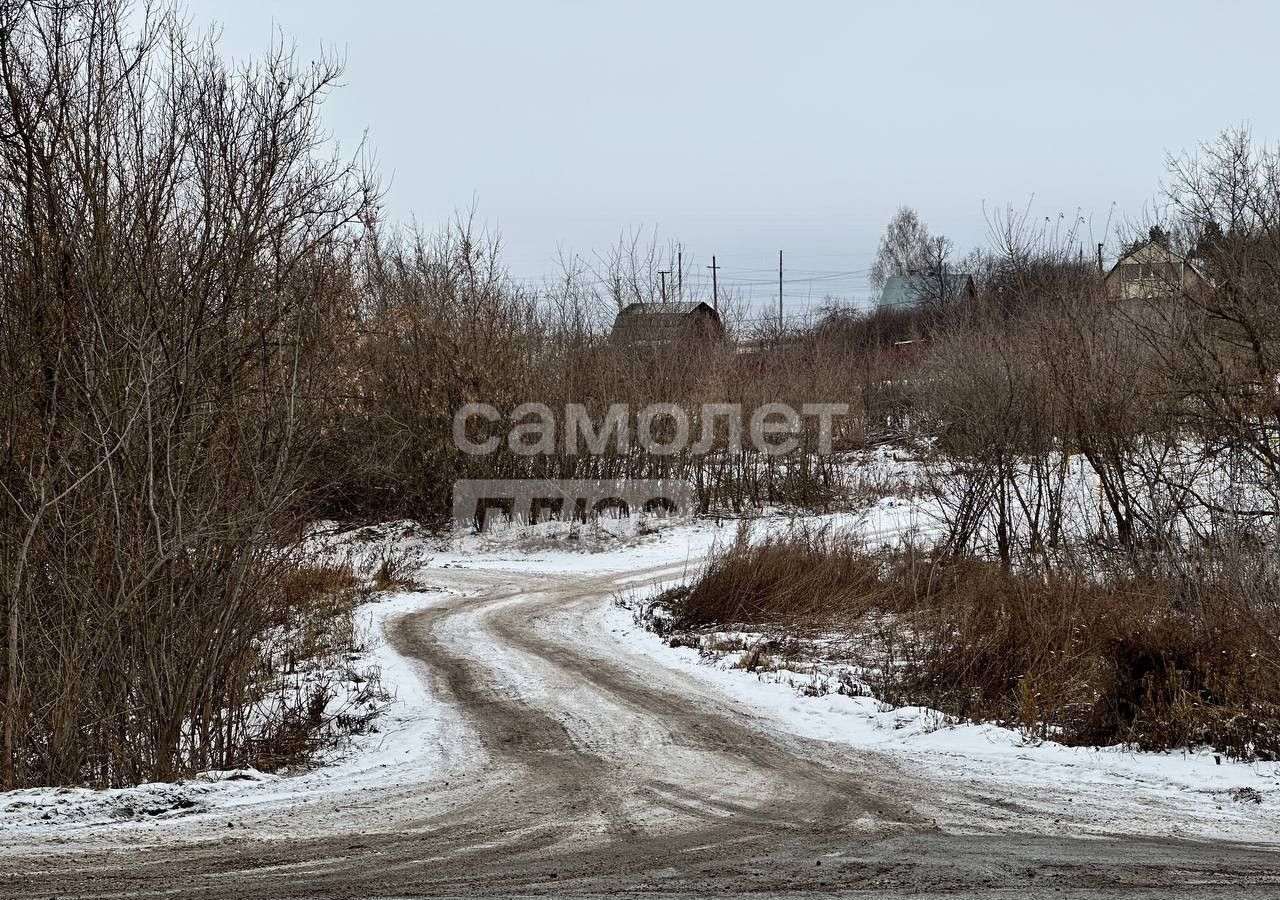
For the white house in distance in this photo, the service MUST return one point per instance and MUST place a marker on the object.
(1151, 271)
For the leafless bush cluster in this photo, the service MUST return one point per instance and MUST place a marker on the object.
(438, 326)
(1072, 655)
(1146, 425)
(175, 249)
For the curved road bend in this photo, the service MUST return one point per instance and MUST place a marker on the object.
(613, 775)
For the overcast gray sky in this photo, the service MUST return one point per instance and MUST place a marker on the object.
(741, 128)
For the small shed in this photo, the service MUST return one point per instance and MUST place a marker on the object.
(921, 289)
(666, 323)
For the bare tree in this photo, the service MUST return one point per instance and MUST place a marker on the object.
(907, 247)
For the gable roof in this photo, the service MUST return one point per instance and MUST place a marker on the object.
(908, 291)
(1151, 249)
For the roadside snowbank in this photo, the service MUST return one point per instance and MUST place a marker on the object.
(416, 739)
(1143, 792)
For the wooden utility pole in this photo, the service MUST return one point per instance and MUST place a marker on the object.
(1099, 259)
(664, 273)
(679, 272)
(779, 291)
(715, 287)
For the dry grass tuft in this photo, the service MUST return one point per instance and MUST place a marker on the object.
(1165, 661)
(807, 577)
(303, 664)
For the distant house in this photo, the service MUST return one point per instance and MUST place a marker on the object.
(925, 289)
(666, 323)
(1150, 271)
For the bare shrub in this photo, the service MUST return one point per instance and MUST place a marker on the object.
(176, 239)
(438, 326)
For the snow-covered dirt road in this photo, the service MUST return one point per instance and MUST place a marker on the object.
(567, 758)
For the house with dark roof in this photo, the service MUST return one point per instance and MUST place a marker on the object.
(666, 323)
(922, 289)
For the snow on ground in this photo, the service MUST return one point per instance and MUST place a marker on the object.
(1190, 793)
(416, 740)
(1175, 793)
(419, 740)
